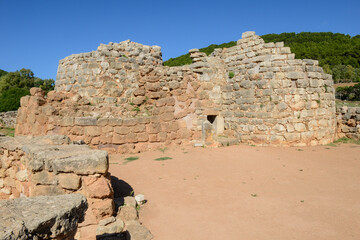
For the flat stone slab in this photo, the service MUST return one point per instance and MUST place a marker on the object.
(43, 217)
(53, 153)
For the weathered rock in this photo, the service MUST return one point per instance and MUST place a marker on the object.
(109, 226)
(137, 231)
(127, 213)
(41, 217)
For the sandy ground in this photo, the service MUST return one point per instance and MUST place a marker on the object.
(244, 192)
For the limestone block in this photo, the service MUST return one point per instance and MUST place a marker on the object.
(138, 231)
(45, 217)
(46, 190)
(115, 121)
(130, 122)
(22, 175)
(122, 130)
(295, 75)
(300, 127)
(37, 92)
(118, 139)
(127, 213)
(247, 34)
(69, 181)
(142, 137)
(92, 131)
(67, 122)
(85, 121)
(109, 226)
(131, 137)
(43, 178)
(95, 161)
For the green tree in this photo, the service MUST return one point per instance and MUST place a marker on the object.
(10, 99)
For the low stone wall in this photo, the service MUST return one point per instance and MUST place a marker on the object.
(49, 165)
(348, 122)
(42, 217)
(8, 119)
(104, 127)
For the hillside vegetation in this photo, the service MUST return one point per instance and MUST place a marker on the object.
(14, 85)
(338, 54)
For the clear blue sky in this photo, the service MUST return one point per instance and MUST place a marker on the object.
(37, 34)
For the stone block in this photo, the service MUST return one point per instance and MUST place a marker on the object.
(142, 137)
(247, 34)
(85, 121)
(138, 231)
(43, 178)
(46, 190)
(48, 217)
(22, 175)
(67, 122)
(92, 131)
(127, 213)
(295, 75)
(96, 187)
(69, 181)
(153, 128)
(101, 208)
(109, 226)
(115, 121)
(122, 130)
(300, 127)
(95, 161)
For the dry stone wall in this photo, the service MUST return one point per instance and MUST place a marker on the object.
(274, 98)
(121, 98)
(8, 119)
(51, 166)
(348, 122)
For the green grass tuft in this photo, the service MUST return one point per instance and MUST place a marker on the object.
(130, 159)
(347, 140)
(162, 158)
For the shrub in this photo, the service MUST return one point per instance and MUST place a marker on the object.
(10, 99)
(351, 93)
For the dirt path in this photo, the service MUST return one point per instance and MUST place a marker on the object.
(244, 192)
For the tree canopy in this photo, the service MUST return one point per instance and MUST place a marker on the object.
(14, 85)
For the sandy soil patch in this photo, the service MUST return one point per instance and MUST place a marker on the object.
(244, 192)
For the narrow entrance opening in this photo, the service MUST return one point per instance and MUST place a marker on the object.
(211, 118)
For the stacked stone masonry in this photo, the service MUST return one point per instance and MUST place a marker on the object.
(348, 121)
(51, 166)
(8, 119)
(122, 98)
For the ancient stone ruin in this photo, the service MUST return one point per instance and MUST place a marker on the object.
(43, 217)
(121, 98)
(54, 166)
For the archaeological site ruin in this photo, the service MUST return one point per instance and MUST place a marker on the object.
(120, 98)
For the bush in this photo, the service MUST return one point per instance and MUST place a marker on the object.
(10, 99)
(349, 93)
